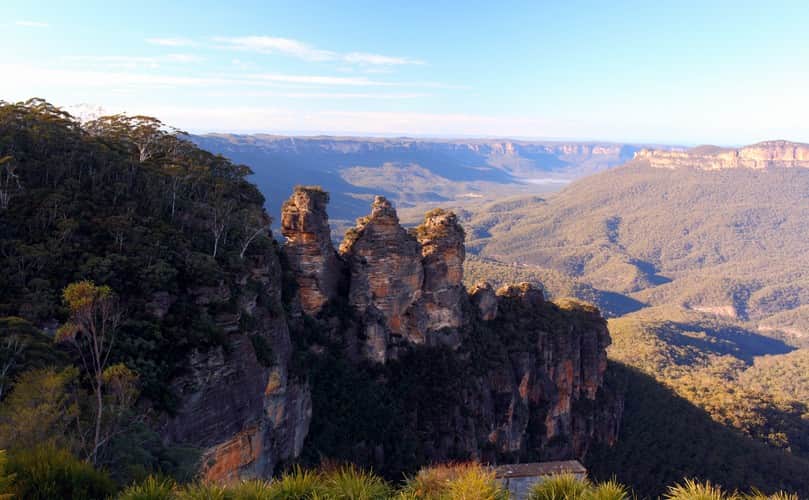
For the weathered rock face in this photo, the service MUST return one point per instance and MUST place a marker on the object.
(485, 299)
(407, 287)
(490, 375)
(308, 249)
(769, 154)
(386, 278)
(240, 408)
(443, 252)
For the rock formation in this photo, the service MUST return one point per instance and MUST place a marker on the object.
(242, 411)
(308, 249)
(443, 252)
(386, 277)
(512, 376)
(769, 154)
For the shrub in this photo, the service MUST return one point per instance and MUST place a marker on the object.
(757, 495)
(297, 484)
(152, 488)
(347, 482)
(255, 489)
(464, 481)
(561, 487)
(201, 491)
(6, 480)
(609, 490)
(46, 472)
(693, 490)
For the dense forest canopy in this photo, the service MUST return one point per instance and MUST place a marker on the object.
(128, 207)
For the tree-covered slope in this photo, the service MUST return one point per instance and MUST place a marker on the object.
(730, 241)
(124, 202)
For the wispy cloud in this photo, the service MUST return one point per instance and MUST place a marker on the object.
(307, 52)
(32, 24)
(376, 59)
(126, 77)
(358, 81)
(172, 42)
(133, 62)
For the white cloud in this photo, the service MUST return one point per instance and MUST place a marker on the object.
(119, 73)
(274, 45)
(376, 59)
(171, 42)
(359, 81)
(301, 50)
(133, 62)
(385, 96)
(32, 24)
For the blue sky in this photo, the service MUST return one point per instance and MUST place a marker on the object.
(669, 72)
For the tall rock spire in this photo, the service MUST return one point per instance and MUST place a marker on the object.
(308, 249)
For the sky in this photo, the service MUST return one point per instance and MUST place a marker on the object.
(670, 72)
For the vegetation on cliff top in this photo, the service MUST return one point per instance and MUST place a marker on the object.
(147, 235)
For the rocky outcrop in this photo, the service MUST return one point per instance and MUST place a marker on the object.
(485, 299)
(769, 154)
(386, 278)
(239, 405)
(406, 286)
(496, 376)
(443, 252)
(308, 249)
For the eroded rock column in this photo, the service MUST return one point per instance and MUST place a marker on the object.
(308, 249)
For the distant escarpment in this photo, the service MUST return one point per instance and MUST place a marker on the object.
(769, 154)
(406, 366)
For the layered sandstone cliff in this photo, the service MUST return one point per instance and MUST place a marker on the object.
(770, 154)
(309, 252)
(385, 330)
(238, 405)
(529, 373)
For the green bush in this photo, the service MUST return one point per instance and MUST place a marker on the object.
(45, 473)
(297, 484)
(693, 490)
(200, 491)
(561, 487)
(468, 481)
(609, 490)
(152, 488)
(347, 482)
(255, 489)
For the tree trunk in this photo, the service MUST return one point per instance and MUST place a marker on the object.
(97, 439)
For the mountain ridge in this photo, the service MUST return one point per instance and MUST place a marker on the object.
(761, 155)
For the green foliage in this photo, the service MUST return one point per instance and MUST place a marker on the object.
(706, 360)
(656, 418)
(255, 489)
(46, 473)
(469, 481)
(6, 479)
(298, 484)
(347, 482)
(42, 408)
(609, 490)
(23, 347)
(201, 491)
(693, 490)
(152, 488)
(561, 487)
(128, 205)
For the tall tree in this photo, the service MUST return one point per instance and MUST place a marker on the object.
(95, 316)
